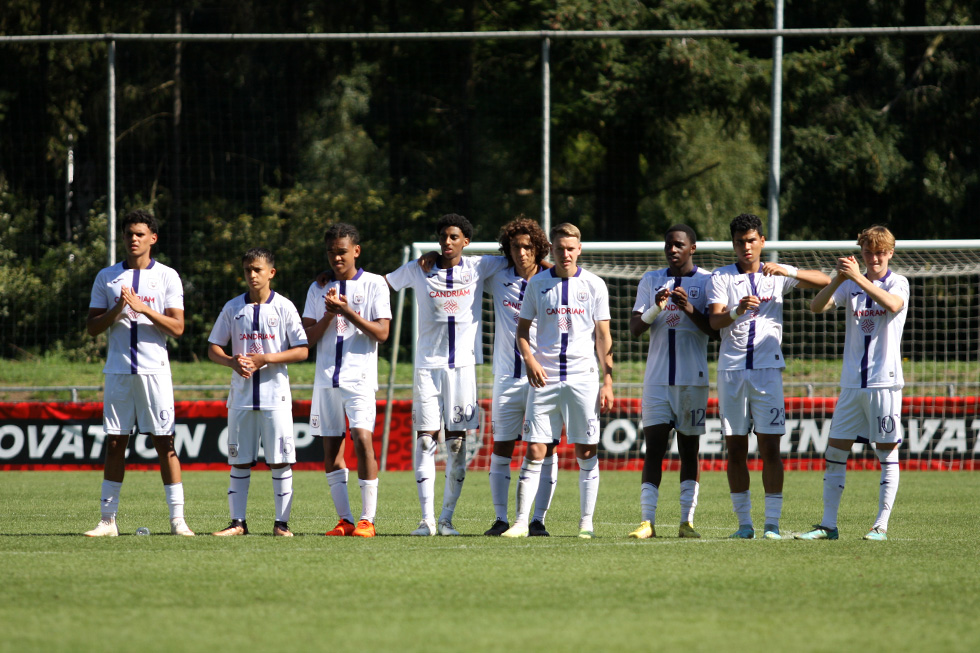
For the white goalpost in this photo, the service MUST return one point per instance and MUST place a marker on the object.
(941, 352)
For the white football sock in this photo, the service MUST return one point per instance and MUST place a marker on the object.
(109, 503)
(689, 500)
(527, 488)
(649, 496)
(455, 475)
(833, 485)
(282, 488)
(546, 487)
(369, 498)
(588, 481)
(774, 508)
(175, 499)
(889, 486)
(238, 483)
(742, 506)
(425, 475)
(499, 484)
(337, 480)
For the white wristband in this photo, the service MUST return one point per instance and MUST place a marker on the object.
(790, 272)
(734, 313)
(651, 314)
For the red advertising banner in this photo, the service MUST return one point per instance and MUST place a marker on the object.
(940, 433)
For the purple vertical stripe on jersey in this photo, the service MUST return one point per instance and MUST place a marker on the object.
(867, 349)
(134, 330)
(672, 346)
(750, 348)
(451, 324)
(256, 399)
(563, 353)
(339, 351)
(517, 351)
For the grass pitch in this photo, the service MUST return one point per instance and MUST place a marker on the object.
(918, 591)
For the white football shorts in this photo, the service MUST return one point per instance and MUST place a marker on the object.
(868, 415)
(144, 400)
(273, 428)
(331, 405)
(509, 404)
(573, 403)
(682, 406)
(445, 396)
(751, 400)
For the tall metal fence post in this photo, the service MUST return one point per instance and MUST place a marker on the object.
(546, 134)
(111, 198)
(390, 394)
(775, 131)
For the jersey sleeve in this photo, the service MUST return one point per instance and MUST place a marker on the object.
(175, 292)
(901, 289)
(644, 298)
(717, 288)
(789, 282)
(312, 295)
(382, 300)
(839, 298)
(295, 333)
(403, 276)
(529, 307)
(221, 331)
(601, 293)
(99, 298)
(490, 265)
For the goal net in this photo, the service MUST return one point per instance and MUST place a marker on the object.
(940, 347)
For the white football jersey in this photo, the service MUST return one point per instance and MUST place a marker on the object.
(754, 340)
(345, 354)
(873, 336)
(136, 346)
(449, 304)
(566, 311)
(508, 288)
(267, 328)
(678, 353)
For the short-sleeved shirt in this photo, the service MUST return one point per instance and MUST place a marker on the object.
(508, 288)
(678, 353)
(136, 345)
(345, 354)
(873, 335)
(566, 310)
(449, 304)
(268, 328)
(754, 340)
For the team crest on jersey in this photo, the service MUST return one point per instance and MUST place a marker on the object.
(582, 294)
(273, 321)
(358, 298)
(694, 292)
(153, 284)
(466, 276)
(315, 421)
(767, 284)
(868, 326)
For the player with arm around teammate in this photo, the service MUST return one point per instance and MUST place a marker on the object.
(265, 334)
(672, 304)
(449, 347)
(525, 245)
(745, 303)
(140, 302)
(870, 403)
(347, 318)
(570, 307)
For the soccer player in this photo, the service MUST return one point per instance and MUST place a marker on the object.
(571, 308)
(525, 246)
(745, 302)
(140, 301)
(347, 318)
(672, 304)
(266, 334)
(448, 349)
(870, 404)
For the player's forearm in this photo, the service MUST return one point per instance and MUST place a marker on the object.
(291, 355)
(720, 317)
(702, 322)
(377, 329)
(824, 299)
(217, 354)
(170, 325)
(637, 326)
(96, 324)
(812, 279)
(889, 302)
(316, 328)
